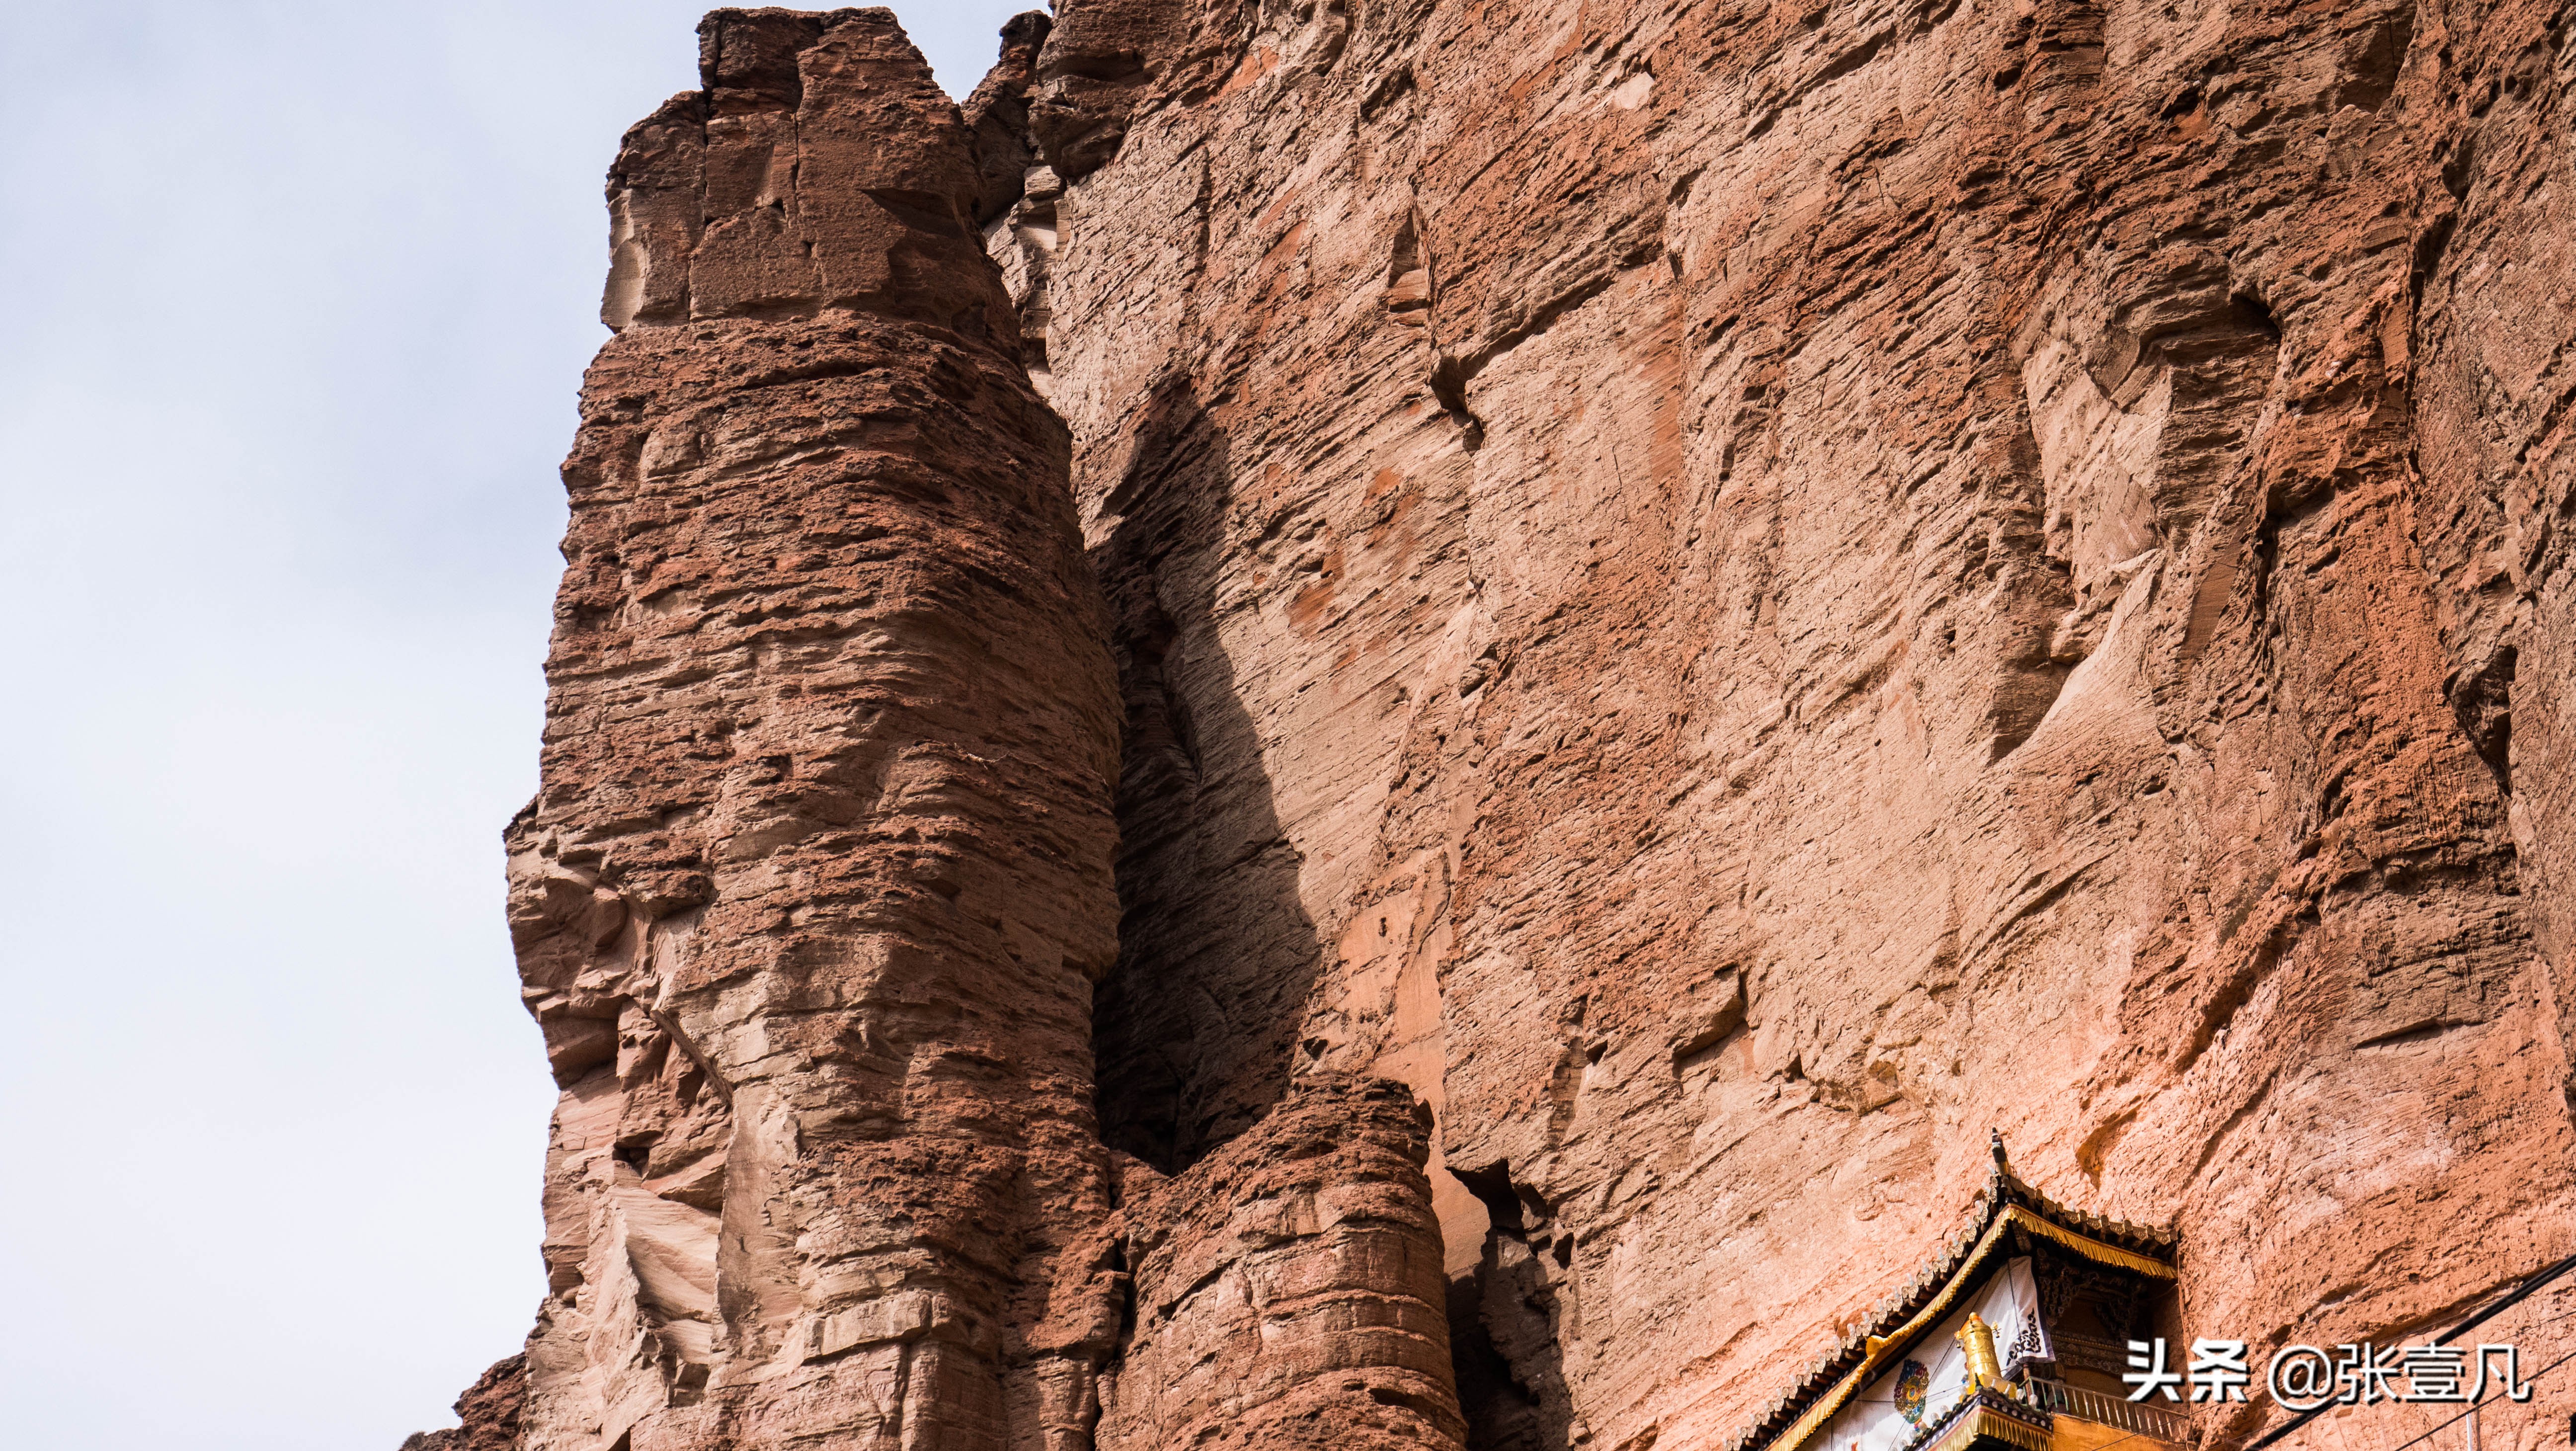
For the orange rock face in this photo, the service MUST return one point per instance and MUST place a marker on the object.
(1643, 620)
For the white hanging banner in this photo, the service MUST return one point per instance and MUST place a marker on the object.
(1927, 1382)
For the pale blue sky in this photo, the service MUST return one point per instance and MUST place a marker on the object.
(300, 294)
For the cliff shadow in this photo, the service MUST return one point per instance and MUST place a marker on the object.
(1195, 1027)
(1503, 1318)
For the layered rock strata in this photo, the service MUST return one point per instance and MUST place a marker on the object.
(811, 900)
(1733, 596)
(813, 897)
(488, 1414)
(1740, 594)
(1288, 1290)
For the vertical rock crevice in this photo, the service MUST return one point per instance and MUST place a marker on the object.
(1196, 1027)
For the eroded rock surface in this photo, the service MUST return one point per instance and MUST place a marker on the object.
(488, 1414)
(1732, 596)
(1739, 594)
(812, 900)
(1288, 1289)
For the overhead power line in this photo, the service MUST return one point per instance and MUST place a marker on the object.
(2471, 1411)
(2519, 1293)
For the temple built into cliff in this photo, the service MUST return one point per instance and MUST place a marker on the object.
(2011, 1340)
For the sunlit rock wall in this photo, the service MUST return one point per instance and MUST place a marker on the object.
(1355, 724)
(1741, 594)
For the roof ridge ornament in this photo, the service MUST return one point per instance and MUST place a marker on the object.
(1977, 1343)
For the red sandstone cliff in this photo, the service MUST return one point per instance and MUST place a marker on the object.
(1738, 594)
(812, 901)
(1731, 595)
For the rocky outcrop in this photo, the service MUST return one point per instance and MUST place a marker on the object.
(812, 899)
(1643, 620)
(487, 1414)
(1288, 1287)
(997, 118)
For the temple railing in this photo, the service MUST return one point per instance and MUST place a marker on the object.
(2127, 1415)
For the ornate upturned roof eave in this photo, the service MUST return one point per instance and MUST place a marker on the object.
(2146, 1249)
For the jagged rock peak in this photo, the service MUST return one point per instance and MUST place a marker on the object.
(819, 167)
